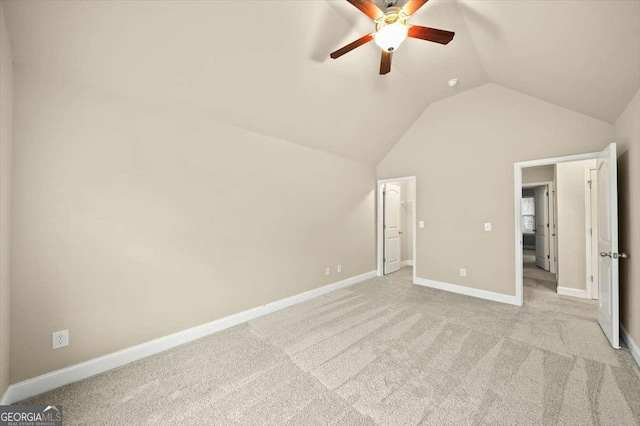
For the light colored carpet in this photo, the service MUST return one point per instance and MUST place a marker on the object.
(383, 351)
(529, 256)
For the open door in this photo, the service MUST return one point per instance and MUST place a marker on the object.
(593, 254)
(542, 227)
(607, 182)
(391, 225)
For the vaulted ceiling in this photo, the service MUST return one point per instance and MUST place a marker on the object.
(264, 65)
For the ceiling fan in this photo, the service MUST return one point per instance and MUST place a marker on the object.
(392, 29)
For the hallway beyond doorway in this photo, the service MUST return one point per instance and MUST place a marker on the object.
(540, 291)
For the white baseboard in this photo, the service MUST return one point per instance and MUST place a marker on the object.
(633, 346)
(46, 382)
(5, 397)
(407, 263)
(573, 292)
(468, 291)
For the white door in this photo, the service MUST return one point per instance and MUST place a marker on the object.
(554, 228)
(391, 226)
(542, 227)
(592, 235)
(607, 182)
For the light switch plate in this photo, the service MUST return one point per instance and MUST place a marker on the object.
(327, 271)
(463, 272)
(421, 224)
(339, 268)
(487, 226)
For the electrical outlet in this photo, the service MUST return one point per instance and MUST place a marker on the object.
(463, 272)
(421, 224)
(339, 268)
(327, 271)
(487, 226)
(60, 339)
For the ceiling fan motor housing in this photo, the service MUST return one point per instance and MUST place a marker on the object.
(392, 15)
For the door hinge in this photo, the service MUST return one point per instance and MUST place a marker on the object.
(547, 225)
(591, 231)
(548, 257)
(384, 259)
(589, 182)
(591, 278)
(384, 226)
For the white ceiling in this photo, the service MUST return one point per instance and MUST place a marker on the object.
(264, 66)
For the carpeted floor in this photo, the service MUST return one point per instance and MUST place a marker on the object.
(383, 351)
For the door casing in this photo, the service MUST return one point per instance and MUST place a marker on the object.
(517, 178)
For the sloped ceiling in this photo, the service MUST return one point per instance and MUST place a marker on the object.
(264, 66)
(582, 55)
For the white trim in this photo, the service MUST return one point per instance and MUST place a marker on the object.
(407, 263)
(633, 346)
(591, 260)
(556, 160)
(587, 230)
(517, 187)
(534, 184)
(573, 292)
(468, 291)
(6, 397)
(553, 256)
(380, 234)
(55, 379)
(517, 180)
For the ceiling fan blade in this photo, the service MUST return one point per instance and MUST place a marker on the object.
(385, 63)
(349, 47)
(411, 6)
(430, 34)
(368, 7)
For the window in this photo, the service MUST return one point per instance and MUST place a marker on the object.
(528, 215)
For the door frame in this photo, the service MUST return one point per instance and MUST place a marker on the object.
(552, 220)
(379, 226)
(517, 189)
(590, 259)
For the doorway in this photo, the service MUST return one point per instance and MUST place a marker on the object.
(396, 227)
(581, 216)
(538, 221)
(538, 233)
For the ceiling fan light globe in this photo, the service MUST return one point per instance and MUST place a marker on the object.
(390, 37)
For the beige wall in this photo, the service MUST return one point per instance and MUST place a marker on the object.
(627, 131)
(571, 228)
(462, 150)
(6, 126)
(135, 221)
(537, 174)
